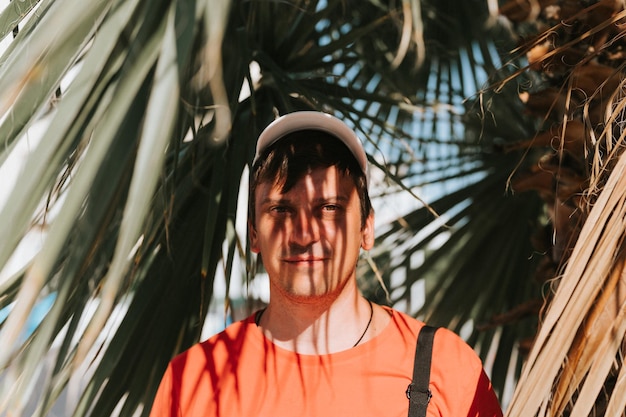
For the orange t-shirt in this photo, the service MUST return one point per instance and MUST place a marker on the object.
(239, 372)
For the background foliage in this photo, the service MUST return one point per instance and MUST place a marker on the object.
(129, 203)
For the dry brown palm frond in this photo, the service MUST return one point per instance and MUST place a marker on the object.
(576, 362)
(617, 402)
(592, 280)
(536, 179)
(607, 143)
(556, 50)
(570, 137)
(524, 10)
(549, 103)
(597, 341)
(596, 81)
(552, 59)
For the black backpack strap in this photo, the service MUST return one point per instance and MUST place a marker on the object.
(418, 391)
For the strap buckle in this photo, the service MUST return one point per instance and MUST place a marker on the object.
(418, 397)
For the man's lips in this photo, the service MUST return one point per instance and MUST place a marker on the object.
(303, 259)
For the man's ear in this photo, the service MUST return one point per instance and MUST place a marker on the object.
(367, 234)
(252, 235)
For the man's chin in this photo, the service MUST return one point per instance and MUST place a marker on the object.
(308, 293)
(307, 296)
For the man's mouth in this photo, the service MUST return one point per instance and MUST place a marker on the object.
(304, 259)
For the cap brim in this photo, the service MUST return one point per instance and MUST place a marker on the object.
(312, 120)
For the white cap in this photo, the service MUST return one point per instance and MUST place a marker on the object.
(312, 120)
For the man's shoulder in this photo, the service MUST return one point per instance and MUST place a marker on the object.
(454, 361)
(229, 339)
(444, 337)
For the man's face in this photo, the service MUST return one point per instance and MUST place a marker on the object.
(310, 236)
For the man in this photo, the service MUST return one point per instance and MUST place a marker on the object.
(319, 348)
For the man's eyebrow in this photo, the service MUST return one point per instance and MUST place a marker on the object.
(341, 198)
(268, 200)
(323, 199)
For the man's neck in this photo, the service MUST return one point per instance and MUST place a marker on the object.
(321, 327)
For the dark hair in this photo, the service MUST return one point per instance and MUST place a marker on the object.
(298, 153)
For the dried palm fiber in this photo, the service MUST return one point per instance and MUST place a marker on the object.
(566, 368)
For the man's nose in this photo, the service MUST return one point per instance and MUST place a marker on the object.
(305, 228)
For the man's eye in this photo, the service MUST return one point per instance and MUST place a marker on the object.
(279, 209)
(330, 207)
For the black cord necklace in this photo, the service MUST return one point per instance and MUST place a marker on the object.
(257, 319)
(368, 323)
